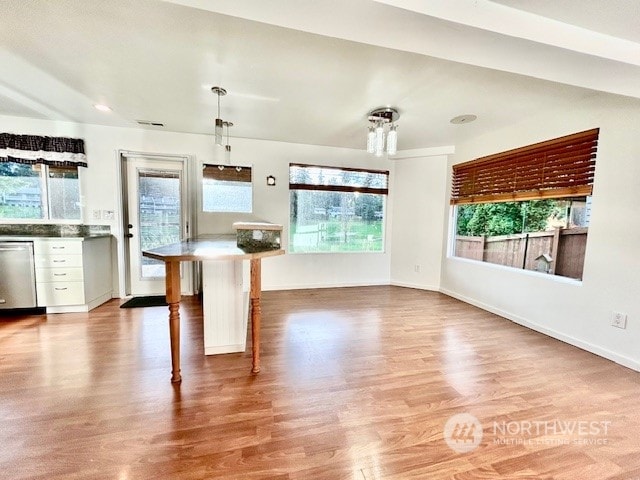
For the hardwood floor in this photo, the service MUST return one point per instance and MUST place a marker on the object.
(356, 383)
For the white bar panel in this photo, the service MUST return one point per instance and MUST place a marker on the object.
(223, 304)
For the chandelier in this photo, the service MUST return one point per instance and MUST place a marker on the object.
(379, 120)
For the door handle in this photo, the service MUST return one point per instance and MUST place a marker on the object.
(2, 301)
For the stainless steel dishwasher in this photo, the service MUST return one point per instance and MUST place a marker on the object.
(17, 275)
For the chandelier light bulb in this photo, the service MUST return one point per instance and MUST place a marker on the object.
(371, 140)
(379, 143)
(392, 141)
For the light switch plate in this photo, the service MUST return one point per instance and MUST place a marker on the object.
(107, 214)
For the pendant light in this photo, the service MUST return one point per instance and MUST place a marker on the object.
(220, 92)
(227, 147)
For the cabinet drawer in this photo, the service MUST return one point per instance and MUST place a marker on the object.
(57, 247)
(59, 274)
(55, 294)
(54, 261)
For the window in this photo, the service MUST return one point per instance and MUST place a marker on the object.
(527, 208)
(336, 209)
(227, 188)
(39, 192)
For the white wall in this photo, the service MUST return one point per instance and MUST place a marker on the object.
(100, 191)
(576, 312)
(419, 189)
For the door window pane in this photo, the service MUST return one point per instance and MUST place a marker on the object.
(159, 216)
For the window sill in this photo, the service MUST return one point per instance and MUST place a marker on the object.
(336, 253)
(518, 271)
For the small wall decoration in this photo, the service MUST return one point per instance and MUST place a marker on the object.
(271, 180)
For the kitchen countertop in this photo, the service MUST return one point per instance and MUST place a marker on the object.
(214, 247)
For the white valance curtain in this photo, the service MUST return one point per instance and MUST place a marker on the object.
(31, 149)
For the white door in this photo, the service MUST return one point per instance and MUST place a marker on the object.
(156, 215)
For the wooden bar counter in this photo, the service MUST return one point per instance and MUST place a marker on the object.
(219, 247)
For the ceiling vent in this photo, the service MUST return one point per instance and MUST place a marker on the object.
(147, 122)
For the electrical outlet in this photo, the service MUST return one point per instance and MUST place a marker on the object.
(107, 214)
(416, 268)
(619, 319)
(96, 214)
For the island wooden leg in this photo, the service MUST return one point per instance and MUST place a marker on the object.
(256, 312)
(173, 299)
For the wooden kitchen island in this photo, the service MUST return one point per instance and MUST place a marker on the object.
(213, 251)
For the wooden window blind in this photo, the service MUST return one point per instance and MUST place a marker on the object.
(228, 173)
(338, 179)
(559, 168)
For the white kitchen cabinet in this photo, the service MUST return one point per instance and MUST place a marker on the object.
(72, 274)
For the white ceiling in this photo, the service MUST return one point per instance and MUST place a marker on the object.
(618, 18)
(308, 72)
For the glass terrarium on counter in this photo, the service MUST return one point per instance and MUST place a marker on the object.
(258, 236)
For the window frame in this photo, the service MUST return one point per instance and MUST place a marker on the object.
(557, 169)
(46, 200)
(384, 192)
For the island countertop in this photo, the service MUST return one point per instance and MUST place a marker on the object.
(214, 247)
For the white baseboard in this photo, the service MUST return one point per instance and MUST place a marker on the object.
(68, 309)
(305, 286)
(81, 308)
(576, 342)
(221, 349)
(431, 288)
(100, 300)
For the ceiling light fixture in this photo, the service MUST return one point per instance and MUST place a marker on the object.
(378, 121)
(220, 92)
(460, 119)
(102, 108)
